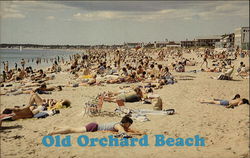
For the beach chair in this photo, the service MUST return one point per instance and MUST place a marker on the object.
(94, 106)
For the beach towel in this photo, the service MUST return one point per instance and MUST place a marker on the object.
(44, 114)
(155, 112)
(57, 106)
(87, 76)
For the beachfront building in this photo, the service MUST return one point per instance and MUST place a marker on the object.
(116, 46)
(207, 41)
(242, 38)
(149, 45)
(133, 45)
(188, 44)
(166, 44)
(173, 44)
(226, 41)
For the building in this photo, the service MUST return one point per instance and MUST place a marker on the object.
(149, 45)
(166, 44)
(241, 39)
(207, 41)
(133, 45)
(188, 44)
(226, 41)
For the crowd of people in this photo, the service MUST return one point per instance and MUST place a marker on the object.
(149, 69)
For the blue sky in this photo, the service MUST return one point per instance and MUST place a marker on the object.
(76, 22)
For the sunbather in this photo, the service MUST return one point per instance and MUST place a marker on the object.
(120, 127)
(36, 105)
(236, 101)
(130, 96)
(226, 75)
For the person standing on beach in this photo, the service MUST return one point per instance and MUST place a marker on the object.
(205, 59)
(118, 59)
(23, 63)
(15, 66)
(4, 76)
(6, 68)
(4, 65)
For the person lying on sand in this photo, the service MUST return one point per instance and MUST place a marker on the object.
(84, 82)
(130, 96)
(121, 127)
(16, 91)
(41, 75)
(215, 69)
(236, 101)
(36, 105)
(43, 89)
(19, 76)
(153, 82)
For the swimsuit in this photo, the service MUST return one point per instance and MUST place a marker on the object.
(130, 97)
(224, 102)
(93, 127)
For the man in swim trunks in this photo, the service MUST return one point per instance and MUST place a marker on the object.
(121, 127)
(228, 104)
(205, 58)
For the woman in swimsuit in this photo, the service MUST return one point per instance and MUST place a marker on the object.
(131, 96)
(36, 105)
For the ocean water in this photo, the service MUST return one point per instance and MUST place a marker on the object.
(15, 56)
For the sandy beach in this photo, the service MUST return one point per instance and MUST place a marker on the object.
(226, 131)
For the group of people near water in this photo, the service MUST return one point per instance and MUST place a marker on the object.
(149, 69)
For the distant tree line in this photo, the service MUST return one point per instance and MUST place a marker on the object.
(43, 46)
(57, 46)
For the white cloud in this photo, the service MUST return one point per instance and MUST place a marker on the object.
(137, 16)
(39, 5)
(50, 17)
(12, 15)
(8, 10)
(19, 9)
(205, 11)
(208, 10)
(226, 10)
(98, 15)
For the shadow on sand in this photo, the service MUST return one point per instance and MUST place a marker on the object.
(10, 127)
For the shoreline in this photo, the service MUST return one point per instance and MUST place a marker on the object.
(30, 48)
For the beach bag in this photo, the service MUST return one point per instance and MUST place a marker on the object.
(157, 103)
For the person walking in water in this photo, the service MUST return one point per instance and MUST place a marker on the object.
(23, 63)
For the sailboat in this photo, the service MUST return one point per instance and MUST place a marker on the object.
(20, 48)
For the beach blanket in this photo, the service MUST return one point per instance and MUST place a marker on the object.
(141, 114)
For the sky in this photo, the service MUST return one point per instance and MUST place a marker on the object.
(116, 22)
